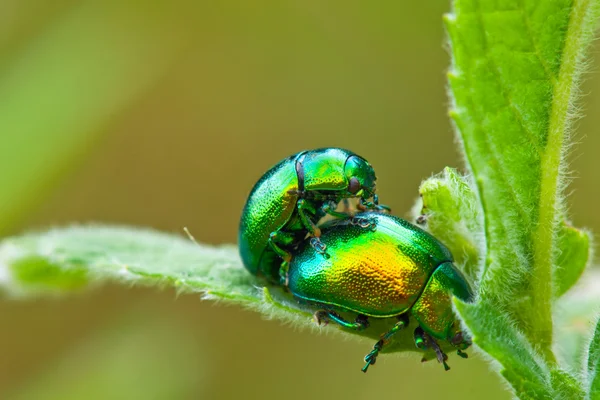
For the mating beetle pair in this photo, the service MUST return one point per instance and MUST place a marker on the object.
(364, 262)
(288, 201)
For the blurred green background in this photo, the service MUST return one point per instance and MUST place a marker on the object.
(164, 114)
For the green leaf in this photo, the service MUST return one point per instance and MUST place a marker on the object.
(565, 385)
(68, 259)
(33, 263)
(497, 335)
(573, 246)
(450, 210)
(572, 320)
(512, 83)
(67, 83)
(527, 372)
(593, 364)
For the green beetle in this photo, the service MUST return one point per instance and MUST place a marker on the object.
(380, 266)
(286, 204)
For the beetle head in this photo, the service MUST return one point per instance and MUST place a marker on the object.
(361, 177)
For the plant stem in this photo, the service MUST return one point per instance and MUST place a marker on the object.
(541, 324)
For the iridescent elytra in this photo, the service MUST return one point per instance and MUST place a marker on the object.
(380, 266)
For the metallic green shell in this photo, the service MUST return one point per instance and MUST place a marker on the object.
(272, 208)
(268, 209)
(433, 309)
(379, 271)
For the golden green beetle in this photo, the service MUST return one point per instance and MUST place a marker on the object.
(380, 266)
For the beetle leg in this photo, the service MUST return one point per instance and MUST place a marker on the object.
(381, 207)
(364, 223)
(320, 318)
(441, 356)
(276, 239)
(462, 353)
(304, 208)
(284, 269)
(323, 316)
(364, 205)
(319, 246)
(385, 338)
(424, 341)
(329, 208)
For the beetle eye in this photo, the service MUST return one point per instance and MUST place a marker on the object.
(354, 185)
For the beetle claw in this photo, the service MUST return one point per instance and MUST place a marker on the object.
(371, 358)
(364, 223)
(319, 246)
(441, 356)
(424, 341)
(462, 353)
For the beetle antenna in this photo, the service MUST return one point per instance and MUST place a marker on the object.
(189, 235)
